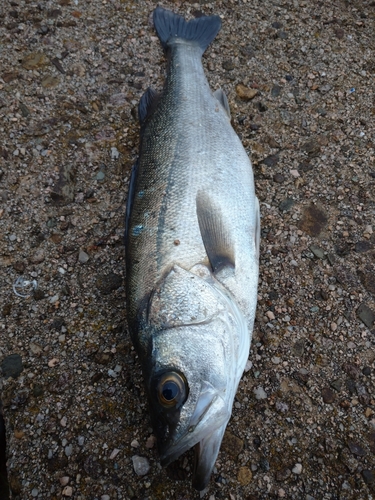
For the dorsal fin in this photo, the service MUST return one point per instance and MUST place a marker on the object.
(214, 234)
(223, 100)
(147, 104)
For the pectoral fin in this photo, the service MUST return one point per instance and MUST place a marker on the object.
(223, 100)
(215, 236)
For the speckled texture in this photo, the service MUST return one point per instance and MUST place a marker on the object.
(303, 424)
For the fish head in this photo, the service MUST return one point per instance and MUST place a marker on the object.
(192, 377)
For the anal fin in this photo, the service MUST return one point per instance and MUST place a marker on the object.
(215, 236)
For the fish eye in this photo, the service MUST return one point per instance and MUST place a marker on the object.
(172, 390)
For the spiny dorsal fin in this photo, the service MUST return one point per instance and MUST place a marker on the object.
(223, 100)
(215, 236)
(147, 104)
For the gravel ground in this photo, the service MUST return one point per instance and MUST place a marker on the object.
(299, 78)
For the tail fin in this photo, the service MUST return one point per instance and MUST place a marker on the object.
(201, 30)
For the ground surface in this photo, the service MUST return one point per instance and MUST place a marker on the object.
(72, 72)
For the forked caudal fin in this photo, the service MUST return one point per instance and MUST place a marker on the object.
(169, 26)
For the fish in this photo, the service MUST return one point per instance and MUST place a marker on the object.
(192, 237)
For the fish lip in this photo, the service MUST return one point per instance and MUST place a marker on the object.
(210, 414)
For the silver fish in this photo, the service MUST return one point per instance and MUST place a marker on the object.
(192, 247)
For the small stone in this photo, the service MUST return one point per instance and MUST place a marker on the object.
(363, 246)
(64, 480)
(34, 492)
(141, 465)
(276, 91)
(67, 491)
(18, 434)
(244, 476)
(150, 443)
(37, 257)
(134, 444)
(228, 65)
(281, 493)
(271, 160)
(100, 176)
(81, 440)
(317, 251)
(333, 327)
(83, 257)
(68, 450)
(313, 220)
(270, 315)
(107, 283)
(279, 178)
(297, 469)
(260, 393)
(114, 453)
(366, 370)
(283, 474)
(366, 315)
(328, 395)
(245, 93)
(115, 153)
(368, 476)
(299, 348)
(286, 205)
(53, 362)
(294, 173)
(356, 448)
(275, 360)
(105, 497)
(12, 366)
(336, 384)
(35, 60)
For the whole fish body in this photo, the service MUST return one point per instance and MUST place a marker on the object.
(192, 245)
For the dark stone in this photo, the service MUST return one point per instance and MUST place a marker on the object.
(368, 476)
(19, 266)
(271, 161)
(343, 249)
(103, 358)
(107, 283)
(351, 370)
(11, 366)
(366, 315)
(38, 390)
(299, 348)
(60, 383)
(277, 25)
(356, 448)
(279, 178)
(336, 384)
(283, 474)
(350, 385)
(7, 309)
(248, 51)
(228, 65)
(276, 91)
(328, 395)
(289, 78)
(302, 376)
(283, 35)
(264, 464)
(366, 370)
(286, 205)
(39, 294)
(257, 441)
(313, 220)
(57, 323)
(363, 246)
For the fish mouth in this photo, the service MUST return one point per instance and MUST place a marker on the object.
(205, 432)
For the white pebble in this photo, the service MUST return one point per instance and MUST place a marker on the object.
(53, 362)
(270, 315)
(141, 465)
(260, 393)
(114, 453)
(134, 444)
(64, 480)
(297, 469)
(67, 491)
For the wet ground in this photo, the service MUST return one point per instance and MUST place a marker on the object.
(299, 79)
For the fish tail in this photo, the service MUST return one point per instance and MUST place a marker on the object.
(200, 31)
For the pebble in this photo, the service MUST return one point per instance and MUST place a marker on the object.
(64, 480)
(366, 315)
(297, 469)
(83, 257)
(11, 366)
(34, 492)
(368, 476)
(115, 153)
(105, 497)
(317, 251)
(244, 476)
(67, 491)
(313, 220)
(68, 450)
(107, 283)
(134, 444)
(150, 443)
(275, 360)
(114, 453)
(270, 315)
(260, 393)
(232, 444)
(37, 257)
(245, 93)
(141, 465)
(53, 362)
(328, 395)
(286, 205)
